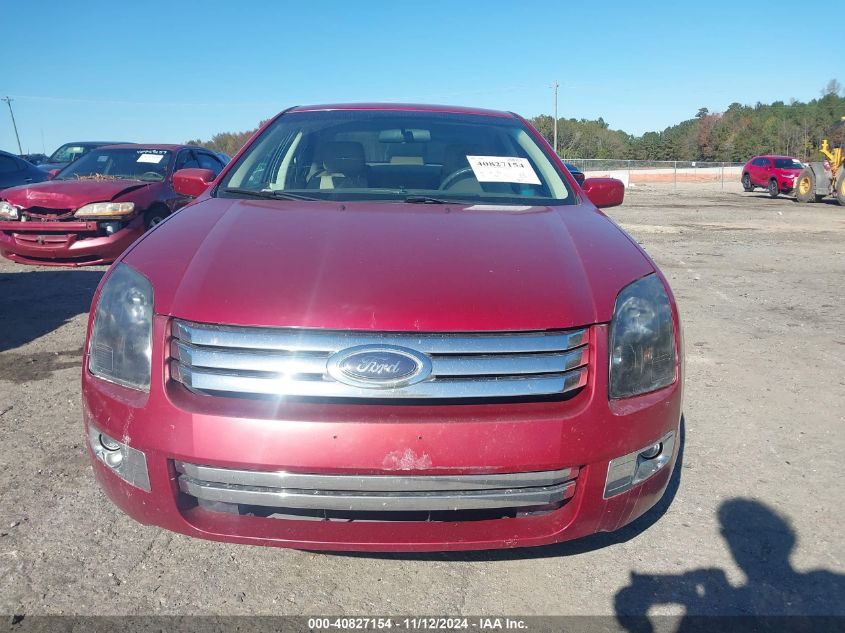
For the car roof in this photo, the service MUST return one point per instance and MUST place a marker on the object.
(96, 143)
(776, 156)
(401, 107)
(162, 146)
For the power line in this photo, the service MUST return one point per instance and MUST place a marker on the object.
(8, 101)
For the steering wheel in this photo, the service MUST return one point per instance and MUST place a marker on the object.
(151, 175)
(454, 177)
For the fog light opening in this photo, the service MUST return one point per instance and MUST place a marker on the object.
(652, 451)
(111, 227)
(126, 462)
(623, 473)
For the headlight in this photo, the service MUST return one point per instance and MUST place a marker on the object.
(8, 211)
(121, 339)
(642, 340)
(105, 210)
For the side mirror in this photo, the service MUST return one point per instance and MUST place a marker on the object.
(192, 182)
(52, 173)
(604, 192)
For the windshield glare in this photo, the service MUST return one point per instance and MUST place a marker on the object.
(116, 164)
(787, 163)
(387, 156)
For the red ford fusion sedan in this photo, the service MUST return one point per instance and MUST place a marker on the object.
(93, 209)
(386, 327)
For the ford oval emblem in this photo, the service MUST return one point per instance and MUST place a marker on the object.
(379, 366)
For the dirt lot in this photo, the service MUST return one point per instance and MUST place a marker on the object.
(761, 285)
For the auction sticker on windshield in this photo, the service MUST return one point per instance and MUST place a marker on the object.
(149, 158)
(503, 169)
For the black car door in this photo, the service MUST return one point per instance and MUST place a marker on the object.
(11, 171)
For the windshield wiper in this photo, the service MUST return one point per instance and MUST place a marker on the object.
(250, 192)
(426, 200)
(287, 195)
(260, 193)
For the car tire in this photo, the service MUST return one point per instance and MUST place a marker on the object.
(773, 188)
(154, 216)
(746, 183)
(805, 186)
(840, 186)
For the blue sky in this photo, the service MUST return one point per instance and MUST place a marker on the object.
(169, 71)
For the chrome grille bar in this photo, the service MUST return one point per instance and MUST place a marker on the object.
(300, 363)
(374, 483)
(209, 380)
(293, 340)
(243, 361)
(249, 360)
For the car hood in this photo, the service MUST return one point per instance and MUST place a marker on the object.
(70, 194)
(389, 266)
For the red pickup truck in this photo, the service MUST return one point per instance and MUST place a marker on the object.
(386, 327)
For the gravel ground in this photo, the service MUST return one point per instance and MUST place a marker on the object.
(752, 521)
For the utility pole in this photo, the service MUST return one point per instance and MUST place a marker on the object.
(556, 85)
(8, 101)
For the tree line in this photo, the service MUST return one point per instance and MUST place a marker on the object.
(226, 142)
(741, 131)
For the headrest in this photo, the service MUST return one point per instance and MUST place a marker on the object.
(343, 157)
(406, 154)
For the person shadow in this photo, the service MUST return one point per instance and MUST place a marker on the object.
(774, 596)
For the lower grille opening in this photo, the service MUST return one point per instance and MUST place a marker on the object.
(389, 497)
(85, 259)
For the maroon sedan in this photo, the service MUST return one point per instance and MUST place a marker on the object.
(386, 327)
(93, 209)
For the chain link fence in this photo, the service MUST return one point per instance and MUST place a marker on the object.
(660, 173)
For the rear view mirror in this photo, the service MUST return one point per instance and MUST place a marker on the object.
(604, 192)
(404, 136)
(52, 173)
(192, 182)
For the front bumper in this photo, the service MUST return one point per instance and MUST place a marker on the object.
(64, 243)
(180, 432)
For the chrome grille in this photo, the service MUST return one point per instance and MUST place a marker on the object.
(375, 493)
(249, 361)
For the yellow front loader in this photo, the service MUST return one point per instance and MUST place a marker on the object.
(818, 180)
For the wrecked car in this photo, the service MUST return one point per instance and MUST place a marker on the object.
(386, 327)
(92, 210)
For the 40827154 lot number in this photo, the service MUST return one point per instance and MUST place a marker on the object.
(411, 624)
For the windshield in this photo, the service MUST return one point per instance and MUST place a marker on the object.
(68, 153)
(408, 156)
(114, 164)
(787, 163)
